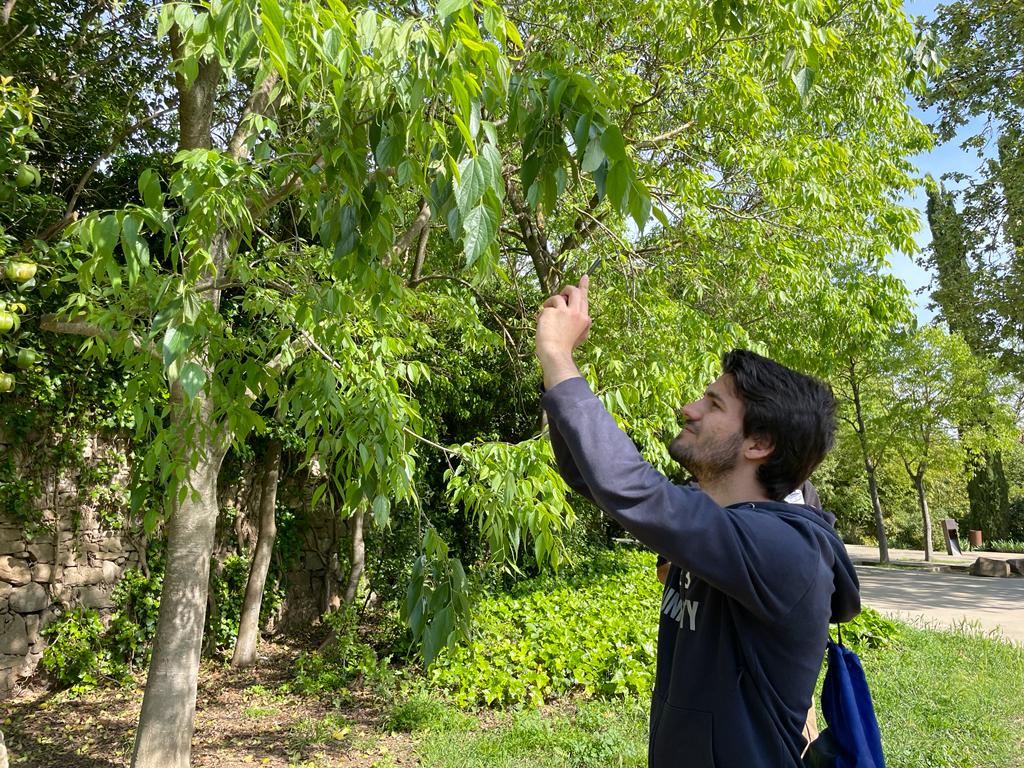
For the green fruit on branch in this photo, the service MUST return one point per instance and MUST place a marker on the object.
(26, 358)
(20, 271)
(6, 382)
(26, 175)
(6, 321)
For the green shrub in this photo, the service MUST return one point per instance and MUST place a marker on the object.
(595, 632)
(868, 629)
(133, 626)
(76, 656)
(228, 591)
(422, 712)
(343, 662)
(1002, 545)
(83, 654)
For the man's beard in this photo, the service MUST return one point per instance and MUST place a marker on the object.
(707, 463)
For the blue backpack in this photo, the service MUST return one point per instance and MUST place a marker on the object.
(851, 739)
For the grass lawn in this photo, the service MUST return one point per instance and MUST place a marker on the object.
(949, 699)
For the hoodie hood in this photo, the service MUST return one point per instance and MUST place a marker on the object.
(846, 597)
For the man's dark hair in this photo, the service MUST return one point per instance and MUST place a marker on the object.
(796, 412)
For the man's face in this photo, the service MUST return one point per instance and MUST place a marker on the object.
(711, 442)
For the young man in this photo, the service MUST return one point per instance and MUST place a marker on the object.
(754, 581)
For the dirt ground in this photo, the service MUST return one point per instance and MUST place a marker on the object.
(242, 720)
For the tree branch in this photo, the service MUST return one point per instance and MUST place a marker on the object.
(585, 224)
(652, 142)
(421, 254)
(78, 326)
(259, 101)
(418, 225)
(533, 238)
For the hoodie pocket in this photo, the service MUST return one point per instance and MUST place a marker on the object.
(681, 738)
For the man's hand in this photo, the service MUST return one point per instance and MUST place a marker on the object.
(562, 325)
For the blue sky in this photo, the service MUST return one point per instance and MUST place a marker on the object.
(942, 159)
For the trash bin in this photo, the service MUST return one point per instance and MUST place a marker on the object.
(975, 538)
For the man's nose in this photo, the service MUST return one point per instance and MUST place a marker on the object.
(690, 412)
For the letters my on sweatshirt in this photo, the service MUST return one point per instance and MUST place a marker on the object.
(675, 604)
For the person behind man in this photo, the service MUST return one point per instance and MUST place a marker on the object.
(754, 580)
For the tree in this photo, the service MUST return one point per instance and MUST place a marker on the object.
(362, 142)
(852, 330)
(983, 43)
(967, 310)
(936, 385)
(244, 654)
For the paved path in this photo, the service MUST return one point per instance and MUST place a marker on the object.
(860, 553)
(946, 599)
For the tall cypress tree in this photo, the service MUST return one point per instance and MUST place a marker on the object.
(961, 300)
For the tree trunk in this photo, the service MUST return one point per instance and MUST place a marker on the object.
(212, 609)
(358, 557)
(876, 506)
(164, 737)
(166, 722)
(248, 626)
(869, 468)
(922, 502)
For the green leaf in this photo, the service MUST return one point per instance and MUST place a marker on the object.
(640, 206)
(479, 230)
(464, 130)
(436, 636)
(332, 44)
(193, 379)
(446, 8)
(165, 20)
(136, 250)
(105, 235)
(273, 37)
(593, 156)
(381, 510)
(176, 341)
(803, 78)
(618, 184)
(390, 151)
(183, 16)
(149, 189)
(490, 160)
(472, 184)
(318, 494)
(581, 135)
(272, 14)
(613, 144)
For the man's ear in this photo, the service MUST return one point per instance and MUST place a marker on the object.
(757, 448)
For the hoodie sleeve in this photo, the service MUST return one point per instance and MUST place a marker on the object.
(756, 558)
(567, 464)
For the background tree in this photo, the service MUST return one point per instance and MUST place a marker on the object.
(983, 45)
(936, 385)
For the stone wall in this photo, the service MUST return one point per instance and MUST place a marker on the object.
(67, 559)
(73, 559)
(315, 576)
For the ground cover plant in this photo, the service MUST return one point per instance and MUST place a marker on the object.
(594, 632)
